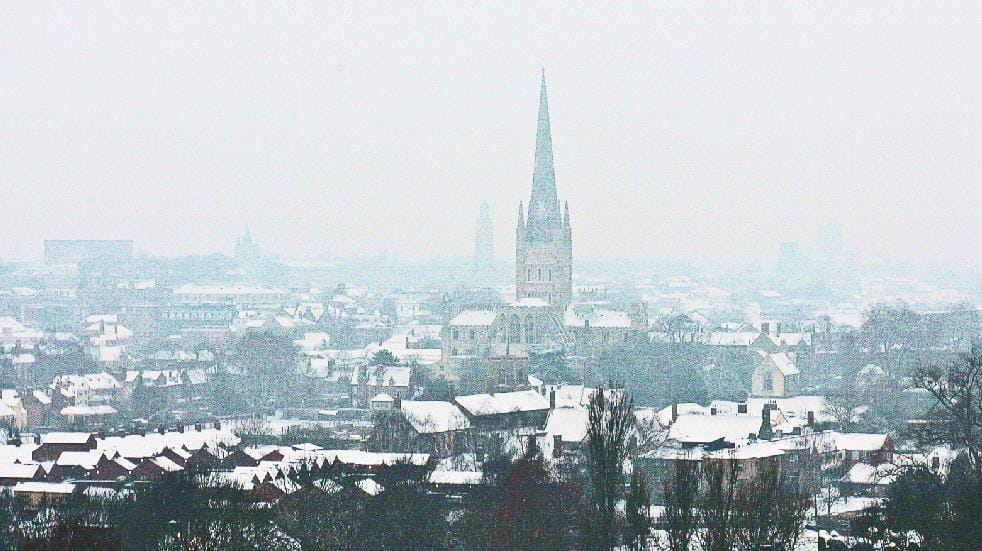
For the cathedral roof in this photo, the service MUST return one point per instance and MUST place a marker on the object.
(474, 317)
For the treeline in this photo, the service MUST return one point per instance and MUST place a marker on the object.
(709, 506)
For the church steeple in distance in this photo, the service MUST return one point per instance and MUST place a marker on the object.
(543, 244)
(543, 209)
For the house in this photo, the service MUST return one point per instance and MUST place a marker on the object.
(775, 376)
(873, 449)
(868, 480)
(35, 493)
(367, 382)
(13, 473)
(53, 444)
(505, 410)
(433, 427)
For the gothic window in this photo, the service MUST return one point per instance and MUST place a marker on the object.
(539, 275)
(453, 352)
(472, 334)
(529, 330)
(515, 331)
(528, 274)
(768, 384)
(550, 274)
(456, 335)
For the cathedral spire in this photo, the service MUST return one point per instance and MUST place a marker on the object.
(543, 213)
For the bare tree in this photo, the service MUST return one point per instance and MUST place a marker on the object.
(770, 509)
(681, 493)
(611, 416)
(956, 417)
(716, 505)
(638, 512)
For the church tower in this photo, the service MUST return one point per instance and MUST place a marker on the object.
(543, 240)
(484, 241)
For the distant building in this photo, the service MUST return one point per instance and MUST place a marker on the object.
(246, 249)
(88, 251)
(776, 375)
(544, 239)
(543, 317)
(484, 242)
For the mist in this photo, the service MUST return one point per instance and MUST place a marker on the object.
(681, 132)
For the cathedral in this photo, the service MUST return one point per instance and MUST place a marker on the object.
(543, 318)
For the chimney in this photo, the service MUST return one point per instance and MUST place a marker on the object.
(742, 408)
(675, 411)
(766, 432)
(552, 399)
(557, 445)
(811, 418)
(397, 403)
(712, 411)
(451, 392)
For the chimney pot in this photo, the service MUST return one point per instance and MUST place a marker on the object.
(552, 399)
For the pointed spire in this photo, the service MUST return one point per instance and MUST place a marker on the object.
(543, 213)
(566, 214)
(521, 215)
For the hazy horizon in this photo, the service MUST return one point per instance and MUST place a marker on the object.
(688, 132)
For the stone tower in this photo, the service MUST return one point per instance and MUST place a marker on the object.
(543, 240)
(484, 241)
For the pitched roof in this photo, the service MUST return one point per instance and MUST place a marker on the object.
(502, 402)
(474, 317)
(784, 363)
(709, 428)
(428, 417)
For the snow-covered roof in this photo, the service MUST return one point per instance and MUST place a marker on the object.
(44, 488)
(856, 441)
(18, 470)
(82, 459)
(863, 473)
(434, 416)
(474, 317)
(88, 410)
(570, 423)
(598, 317)
(456, 477)
(382, 397)
(709, 428)
(783, 363)
(65, 437)
(502, 402)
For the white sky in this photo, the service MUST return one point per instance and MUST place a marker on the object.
(683, 130)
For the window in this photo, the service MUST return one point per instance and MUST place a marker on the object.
(472, 334)
(529, 333)
(768, 383)
(515, 331)
(456, 335)
(528, 274)
(453, 352)
(539, 276)
(550, 274)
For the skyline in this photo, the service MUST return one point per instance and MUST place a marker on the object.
(714, 134)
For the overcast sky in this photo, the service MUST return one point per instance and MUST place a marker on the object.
(681, 130)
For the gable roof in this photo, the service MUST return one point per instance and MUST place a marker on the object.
(428, 417)
(783, 363)
(474, 317)
(502, 402)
